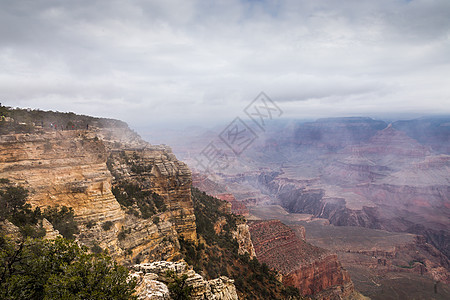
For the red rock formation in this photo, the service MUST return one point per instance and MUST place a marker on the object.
(320, 276)
(313, 270)
(237, 207)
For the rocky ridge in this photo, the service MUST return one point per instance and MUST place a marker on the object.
(153, 279)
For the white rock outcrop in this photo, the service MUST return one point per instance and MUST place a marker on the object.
(153, 278)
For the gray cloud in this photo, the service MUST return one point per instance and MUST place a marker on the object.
(158, 61)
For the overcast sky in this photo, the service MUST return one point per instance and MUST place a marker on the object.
(149, 62)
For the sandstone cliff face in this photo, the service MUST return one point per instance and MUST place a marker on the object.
(313, 270)
(156, 169)
(50, 232)
(70, 168)
(62, 168)
(134, 239)
(153, 279)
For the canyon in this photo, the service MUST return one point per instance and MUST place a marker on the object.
(130, 198)
(336, 206)
(382, 264)
(349, 173)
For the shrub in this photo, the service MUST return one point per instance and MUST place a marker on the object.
(12, 200)
(107, 225)
(131, 194)
(48, 146)
(179, 290)
(122, 235)
(63, 220)
(90, 224)
(59, 269)
(4, 181)
(96, 248)
(218, 253)
(291, 291)
(13, 207)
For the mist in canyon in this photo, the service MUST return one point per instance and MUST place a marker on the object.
(374, 191)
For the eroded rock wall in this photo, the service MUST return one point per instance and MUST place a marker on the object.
(314, 271)
(156, 169)
(69, 168)
(62, 168)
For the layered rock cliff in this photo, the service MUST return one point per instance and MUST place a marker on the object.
(69, 168)
(313, 270)
(62, 168)
(132, 199)
(157, 170)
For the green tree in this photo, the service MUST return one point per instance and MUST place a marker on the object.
(178, 288)
(12, 201)
(63, 220)
(13, 207)
(59, 269)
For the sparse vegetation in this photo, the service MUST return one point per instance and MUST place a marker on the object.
(13, 207)
(4, 181)
(48, 147)
(131, 196)
(178, 288)
(33, 268)
(90, 224)
(107, 225)
(218, 255)
(123, 234)
(291, 292)
(96, 248)
(411, 264)
(140, 168)
(30, 120)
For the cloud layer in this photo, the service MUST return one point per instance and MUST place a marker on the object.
(158, 61)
